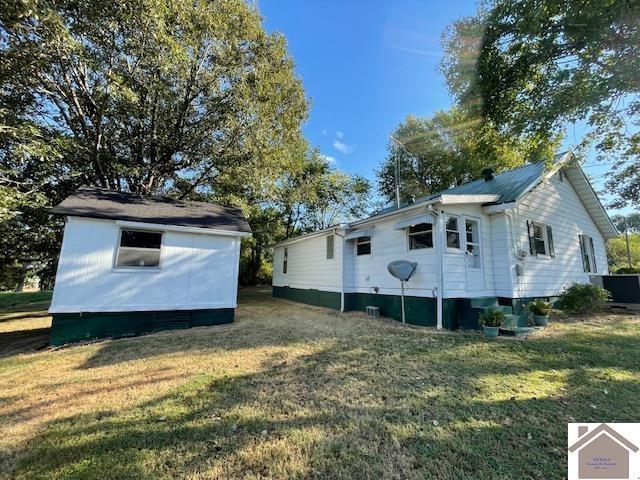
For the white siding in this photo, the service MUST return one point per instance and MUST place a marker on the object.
(501, 254)
(308, 266)
(556, 204)
(197, 271)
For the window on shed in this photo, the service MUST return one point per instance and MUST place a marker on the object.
(453, 234)
(139, 248)
(330, 247)
(540, 239)
(420, 236)
(363, 246)
(285, 259)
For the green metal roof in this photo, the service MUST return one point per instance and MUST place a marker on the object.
(509, 185)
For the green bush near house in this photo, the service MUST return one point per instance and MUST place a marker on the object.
(624, 270)
(583, 298)
(539, 307)
(491, 318)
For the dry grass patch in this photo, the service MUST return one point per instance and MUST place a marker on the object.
(292, 391)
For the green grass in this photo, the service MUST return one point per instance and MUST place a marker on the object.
(25, 299)
(291, 391)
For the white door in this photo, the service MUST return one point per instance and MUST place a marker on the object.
(473, 253)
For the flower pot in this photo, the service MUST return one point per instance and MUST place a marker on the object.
(541, 320)
(491, 332)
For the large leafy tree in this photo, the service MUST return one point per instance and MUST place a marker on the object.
(149, 96)
(533, 67)
(447, 149)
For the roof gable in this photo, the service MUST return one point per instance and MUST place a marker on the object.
(112, 205)
(601, 430)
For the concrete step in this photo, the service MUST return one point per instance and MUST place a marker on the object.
(501, 308)
(484, 302)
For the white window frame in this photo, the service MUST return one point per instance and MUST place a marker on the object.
(357, 242)
(457, 249)
(333, 247)
(408, 236)
(478, 243)
(591, 253)
(545, 239)
(138, 268)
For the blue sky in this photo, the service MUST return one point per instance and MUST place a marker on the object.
(365, 66)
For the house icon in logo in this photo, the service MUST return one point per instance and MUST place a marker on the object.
(602, 453)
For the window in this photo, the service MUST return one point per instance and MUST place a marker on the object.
(540, 244)
(285, 259)
(139, 248)
(540, 239)
(453, 235)
(363, 246)
(588, 254)
(420, 236)
(472, 242)
(329, 247)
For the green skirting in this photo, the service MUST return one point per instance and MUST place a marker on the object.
(315, 297)
(74, 327)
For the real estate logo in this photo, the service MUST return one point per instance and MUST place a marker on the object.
(599, 450)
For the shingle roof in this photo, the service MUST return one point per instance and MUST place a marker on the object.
(112, 205)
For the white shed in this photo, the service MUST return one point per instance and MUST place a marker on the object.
(131, 265)
(496, 242)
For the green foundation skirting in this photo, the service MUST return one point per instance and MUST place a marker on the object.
(457, 312)
(74, 327)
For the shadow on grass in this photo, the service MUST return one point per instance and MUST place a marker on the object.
(24, 341)
(358, 407)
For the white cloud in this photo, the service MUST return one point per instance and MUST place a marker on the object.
(339, 134)
(342, 147)
(331, 160)
(324, 131)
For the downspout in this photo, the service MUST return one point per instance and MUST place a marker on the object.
(335, 232)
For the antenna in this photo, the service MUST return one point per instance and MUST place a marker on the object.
(396, 172)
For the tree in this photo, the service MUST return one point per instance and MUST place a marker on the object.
(153, 97)
(448, 149)
(631, 221)
(617, 252)
(533, 67)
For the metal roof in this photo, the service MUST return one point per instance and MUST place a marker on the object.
(113, 205)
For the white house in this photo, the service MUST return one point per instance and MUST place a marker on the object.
(131, 265)
(500, 240)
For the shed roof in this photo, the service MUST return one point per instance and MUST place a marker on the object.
(109, 204)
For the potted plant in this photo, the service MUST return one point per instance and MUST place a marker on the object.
(491, 320)
(540, 311)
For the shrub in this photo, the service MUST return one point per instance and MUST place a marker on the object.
(491, 318)
(539, 307)
(628, 270)
(583, 298)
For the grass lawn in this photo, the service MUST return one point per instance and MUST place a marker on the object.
(292, 391)
(24, 300)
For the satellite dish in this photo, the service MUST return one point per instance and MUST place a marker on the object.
(403, 271)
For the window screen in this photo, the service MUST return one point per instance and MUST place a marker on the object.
(420, 236)
(363, 246)
(329, 247)
(139, 248)
(453, 235)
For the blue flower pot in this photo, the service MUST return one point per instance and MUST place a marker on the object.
(541, 320)
(491, 332)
